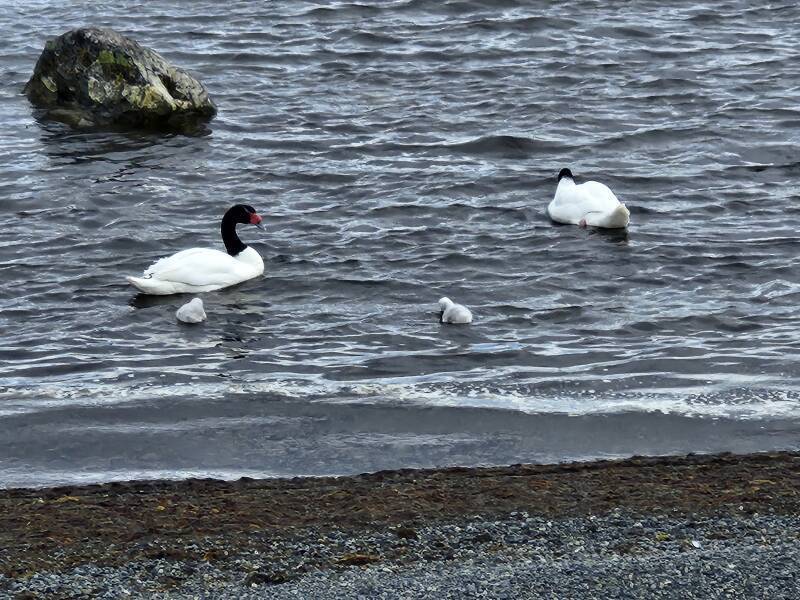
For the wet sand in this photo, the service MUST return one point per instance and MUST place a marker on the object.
(59, 528)
(240, 435)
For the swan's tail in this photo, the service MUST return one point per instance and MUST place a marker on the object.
(147, 286)
(619, 217)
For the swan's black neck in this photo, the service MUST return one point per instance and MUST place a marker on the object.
(564, 173)
(233, 245)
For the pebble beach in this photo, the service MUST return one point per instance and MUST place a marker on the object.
(613, 411)
(714, 526)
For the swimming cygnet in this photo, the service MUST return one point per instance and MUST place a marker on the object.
(191, 312)
(453, 313)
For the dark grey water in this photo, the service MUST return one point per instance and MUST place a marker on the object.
(401, 151)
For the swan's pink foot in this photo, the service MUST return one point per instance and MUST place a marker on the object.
(582, 223)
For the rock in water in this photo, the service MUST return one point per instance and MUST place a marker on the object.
(191, 312)
(93, 76)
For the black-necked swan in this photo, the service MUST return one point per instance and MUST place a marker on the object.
(191, 312)
(206, 269)
(451, 312)
(591, 203)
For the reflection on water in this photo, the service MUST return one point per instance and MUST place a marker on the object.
(615, 236)
(62, 142)
(147, 301)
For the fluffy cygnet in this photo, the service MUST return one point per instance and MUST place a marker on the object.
(454, 313)
(191, 312)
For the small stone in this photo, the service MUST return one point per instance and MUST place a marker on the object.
(482, 538)
(357, 559)
(406, 533)
(257, 578)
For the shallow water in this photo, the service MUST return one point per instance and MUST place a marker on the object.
(401, 151)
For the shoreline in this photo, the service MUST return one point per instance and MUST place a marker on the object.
(213, 524)
(100, 443)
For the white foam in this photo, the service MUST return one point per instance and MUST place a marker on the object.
(743, 398)
(13, 478)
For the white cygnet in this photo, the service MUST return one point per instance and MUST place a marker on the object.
(454, 313)
(191, 312)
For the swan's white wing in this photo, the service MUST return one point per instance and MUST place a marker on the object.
(562, 210)
(603, 209)
(572, 203)
(598, 195)
(169, 263)
(200, 267)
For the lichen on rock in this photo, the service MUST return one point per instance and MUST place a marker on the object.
(109, 79)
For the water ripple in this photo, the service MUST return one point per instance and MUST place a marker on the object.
(406, 150)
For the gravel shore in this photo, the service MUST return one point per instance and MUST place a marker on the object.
(689, 527)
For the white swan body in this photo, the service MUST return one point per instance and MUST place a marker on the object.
(456, 314)
(191, 312)
(587, 204)
(206, 269)
(198, 270)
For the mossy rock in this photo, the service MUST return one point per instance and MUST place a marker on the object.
(113, 80)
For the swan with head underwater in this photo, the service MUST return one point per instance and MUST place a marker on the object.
(206, 269)
(590, 204)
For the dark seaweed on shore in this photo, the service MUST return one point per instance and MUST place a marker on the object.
(58, 528)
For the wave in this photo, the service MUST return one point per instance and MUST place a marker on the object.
(489, 145)
(734, 402)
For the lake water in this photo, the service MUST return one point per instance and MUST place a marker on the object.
(401, 151)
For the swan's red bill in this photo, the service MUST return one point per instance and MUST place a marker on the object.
(255, 219)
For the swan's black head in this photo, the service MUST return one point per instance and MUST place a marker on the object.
(564, 173)
(243, 213)
(238, 213)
